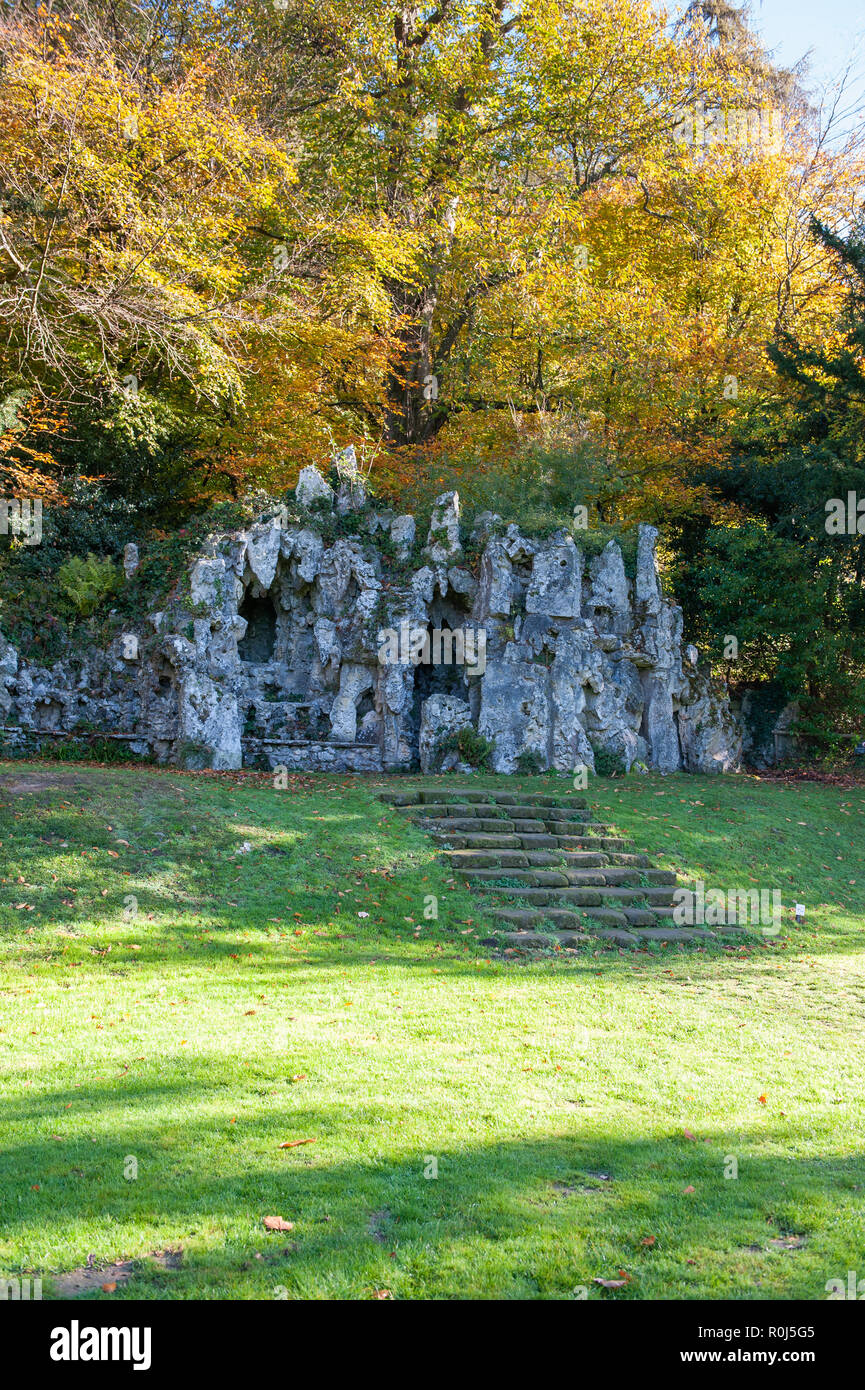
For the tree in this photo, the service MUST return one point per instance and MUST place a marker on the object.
(780, 574)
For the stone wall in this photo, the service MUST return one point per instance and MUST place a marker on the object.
(283, 653)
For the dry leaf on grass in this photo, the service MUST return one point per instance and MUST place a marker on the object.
(276, 1223)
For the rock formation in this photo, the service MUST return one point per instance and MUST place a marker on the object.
(322, 638)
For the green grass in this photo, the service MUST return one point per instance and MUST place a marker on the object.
(246, 1003)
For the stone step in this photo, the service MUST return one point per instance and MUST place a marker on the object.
(555, 876)
(471, 826)
(549, 897)
(631, 876)
(586, 844)
(608, 877)
(550, 815)
(565, 800)
(437, 794)
(640, 917)
(638, 861)
(585, 897)
(461, 841)
(523, 859)
(461, 809)
(539, 841)
(531, 878)
(594, 838)
(492, 859)
(576, 936)
(506, 815)
(549, 841)
(528, 917)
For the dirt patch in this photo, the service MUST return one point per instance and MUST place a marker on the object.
(94, 1278)
(19, 783)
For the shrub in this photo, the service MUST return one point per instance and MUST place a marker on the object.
(88, 582)
(472, 747)
(608, 763)
(530, 763)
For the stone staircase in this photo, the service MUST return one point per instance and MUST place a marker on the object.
(549, 872)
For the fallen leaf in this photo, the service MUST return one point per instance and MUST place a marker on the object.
(295, 1143)
(276, 1223)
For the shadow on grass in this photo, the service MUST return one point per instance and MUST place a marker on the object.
(535, 1217)
(305, 847)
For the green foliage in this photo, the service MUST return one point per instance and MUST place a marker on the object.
(472, 747)
(537, 487)
(88, 582)
(529, 763)
(75, 747)
(607, 763)
(791, 592)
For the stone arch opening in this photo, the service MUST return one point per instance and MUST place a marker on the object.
(259, 641)
(437, 678)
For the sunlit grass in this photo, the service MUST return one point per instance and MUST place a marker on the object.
(242, 1002)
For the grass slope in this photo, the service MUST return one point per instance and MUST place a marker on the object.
(187, 980)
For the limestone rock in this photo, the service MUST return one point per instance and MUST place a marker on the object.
(609, 597)
(648, 585)
(495, 583)
(555, 585)
(485, 525)
(350, 497)
(312, 487)
(514, 712)
(263, 546)
(462, 582)
(275, 656)
(710, 736)
(354, 680)
(443, 539)
(402, 533)
(441, 715)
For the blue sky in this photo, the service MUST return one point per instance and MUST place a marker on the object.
(829, 27)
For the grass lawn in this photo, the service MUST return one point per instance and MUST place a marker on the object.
(196, 970)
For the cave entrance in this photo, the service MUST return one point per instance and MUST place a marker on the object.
(258, 642)
(443, 678)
